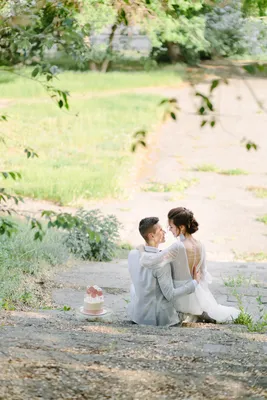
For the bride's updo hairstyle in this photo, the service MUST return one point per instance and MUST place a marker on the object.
(182, 216)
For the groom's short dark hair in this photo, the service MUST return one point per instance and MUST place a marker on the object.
(146, 226)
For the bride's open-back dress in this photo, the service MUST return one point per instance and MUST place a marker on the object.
(202, 299)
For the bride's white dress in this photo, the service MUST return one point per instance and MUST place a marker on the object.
(202, 299)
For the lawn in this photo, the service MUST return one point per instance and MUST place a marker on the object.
(13, 85)
(80, 157)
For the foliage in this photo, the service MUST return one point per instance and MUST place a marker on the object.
(27, 30)
(236, 281)
(106, 17)
(225, 30)
(246, 319)
(30, 28)
(263, 219)
(254, 8)
(179, 23)
(99, 247)
(230, 33)
(24, 262)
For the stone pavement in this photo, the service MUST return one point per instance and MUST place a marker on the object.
(114, 278)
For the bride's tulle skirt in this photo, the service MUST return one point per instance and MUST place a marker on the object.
(202, 300)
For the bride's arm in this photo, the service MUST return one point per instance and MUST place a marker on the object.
(160, 259)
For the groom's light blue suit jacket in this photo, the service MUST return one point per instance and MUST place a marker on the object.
(152, 292)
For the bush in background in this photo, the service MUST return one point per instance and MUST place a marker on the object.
(225, 30)
(101, 243)
(24, 261)
(230, 34)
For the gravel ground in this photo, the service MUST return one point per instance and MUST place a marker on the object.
(58, 355)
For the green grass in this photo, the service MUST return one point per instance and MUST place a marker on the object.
(206, 168)
(260, 192)
(235, 171)
(13, 86)
(84, 157)
(235, 281)
(214, 168)
(179, 186)
(263, 219)
(252, 257)
(25, 262)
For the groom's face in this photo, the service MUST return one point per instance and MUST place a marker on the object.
(159, 234)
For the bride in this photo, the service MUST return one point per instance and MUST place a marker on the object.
(186, 255)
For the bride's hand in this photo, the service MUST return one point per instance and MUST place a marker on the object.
(196, 274)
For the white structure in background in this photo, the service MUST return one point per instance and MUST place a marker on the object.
(125, 39)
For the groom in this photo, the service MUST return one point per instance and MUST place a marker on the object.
(152, 291)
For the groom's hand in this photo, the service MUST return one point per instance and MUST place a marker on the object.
(196, 274)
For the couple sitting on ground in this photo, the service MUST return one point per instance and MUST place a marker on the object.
(170, 286)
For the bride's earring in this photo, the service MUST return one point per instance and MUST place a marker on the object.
(182, 237)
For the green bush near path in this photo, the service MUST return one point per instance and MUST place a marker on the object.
(24, 262)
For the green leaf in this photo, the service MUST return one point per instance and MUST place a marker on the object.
(250, 68)
(164, 101)
(210, 105)
(173, 115)
(140, 133)
(203, 123)
(60, 103)
(212, 123)
(214, 84)
(35, 72)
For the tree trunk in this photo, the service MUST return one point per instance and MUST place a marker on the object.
(93, 66)
(106, 62)
(174, 52)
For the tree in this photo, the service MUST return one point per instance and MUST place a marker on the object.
(254, 8)
(107, 16)
(179, 26)
(27, 30)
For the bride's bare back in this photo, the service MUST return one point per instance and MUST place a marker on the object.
(193, 251)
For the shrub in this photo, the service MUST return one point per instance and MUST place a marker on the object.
(23, 261)
(225, 30)
(96, 238)
(230, 34)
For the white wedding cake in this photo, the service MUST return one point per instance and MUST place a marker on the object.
(93, 300)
